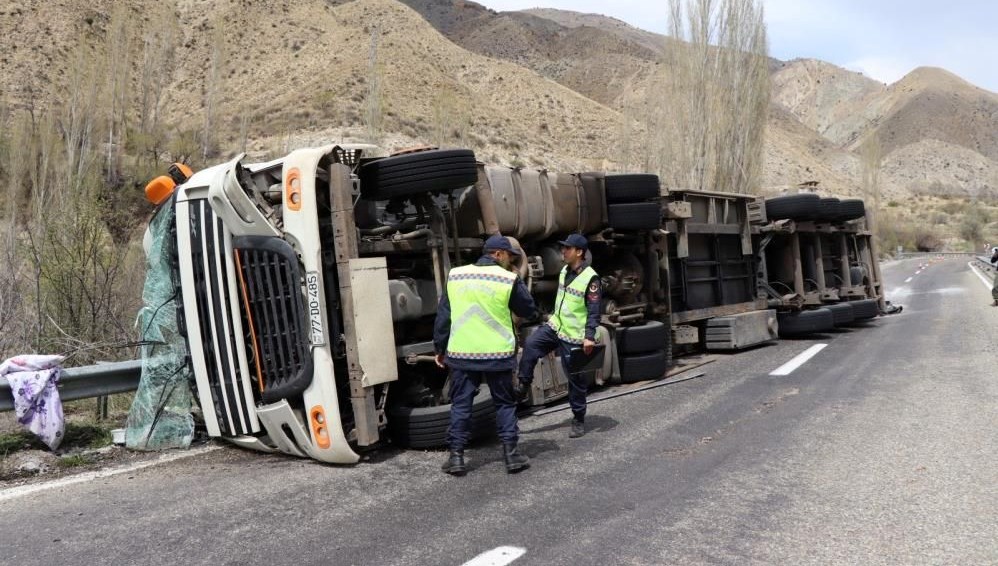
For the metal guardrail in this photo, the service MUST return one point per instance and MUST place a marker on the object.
(984, 262)
(85, 382)
(903, 255)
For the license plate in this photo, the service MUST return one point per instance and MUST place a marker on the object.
(313, 288)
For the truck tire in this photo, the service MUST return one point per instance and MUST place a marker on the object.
(631, 188)
(438, 438)
(426, 427)
(796, 207)
(828, 209)
(842, 313)
(805, 322)
(642, 367)
(634, 216)
(416, 173)
(648, 337)
(865, 309)
(851, 209)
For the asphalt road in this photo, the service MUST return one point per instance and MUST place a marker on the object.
(881, 449)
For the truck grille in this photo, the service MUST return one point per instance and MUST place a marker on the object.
(274, 313)
(220, 334)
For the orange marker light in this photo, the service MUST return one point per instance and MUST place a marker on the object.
(184, 170)
(317, 418)
(292, 189)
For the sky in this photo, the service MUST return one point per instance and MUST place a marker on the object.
(883, 39)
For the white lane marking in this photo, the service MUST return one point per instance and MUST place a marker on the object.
(799, 360)
(984, 279)
(15, 492)
(908, 280)
(497, 556)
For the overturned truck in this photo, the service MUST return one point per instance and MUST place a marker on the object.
(308, 285)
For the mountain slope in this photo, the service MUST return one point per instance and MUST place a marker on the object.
(931, 126)
(600, 63)
(294, 73)
(931, 103)
(653, 42)
(542, 87)
(822, 95)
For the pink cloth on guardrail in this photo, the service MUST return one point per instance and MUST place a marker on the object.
(32, 380)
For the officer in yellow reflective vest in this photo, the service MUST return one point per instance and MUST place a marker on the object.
(573, 323)
(474, 336)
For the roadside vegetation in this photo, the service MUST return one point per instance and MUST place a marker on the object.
(931, 223)
(72, 213)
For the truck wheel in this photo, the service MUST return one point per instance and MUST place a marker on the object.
(648, 337)
(865, 309)
(842, 313)
(798, 207)
(479, 428)
(417, 173)
(426, 427)
(805, 322)
(634, 215)
(851, 209)
(642, 367)
(828, 209)
(631, 188)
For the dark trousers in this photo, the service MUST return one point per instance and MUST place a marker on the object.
(542, 342)
(463, 386)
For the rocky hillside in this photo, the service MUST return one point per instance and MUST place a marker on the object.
(294, 73)
(820, 114)
(604, 63)
(540, 87)
(931, 126)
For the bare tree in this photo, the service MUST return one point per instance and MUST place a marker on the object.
(624, 145)
(158, 48)
(77, 123)
(12, 168)
(449, 115)
(718, 95)
(149, 140)
(244, 120)
(871, 162)
(212, 87)
(374, 104)
(118, 53)
(65, 273)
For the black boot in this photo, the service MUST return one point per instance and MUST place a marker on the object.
(455, 463)
(521, 391)
(515, 461)
(578, 429)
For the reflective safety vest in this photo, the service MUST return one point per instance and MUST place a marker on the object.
(481, 324)
(570, 313)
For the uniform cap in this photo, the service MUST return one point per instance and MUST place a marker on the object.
(499, 242)
(576, 241)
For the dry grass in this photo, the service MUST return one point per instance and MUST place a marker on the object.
(933, 223)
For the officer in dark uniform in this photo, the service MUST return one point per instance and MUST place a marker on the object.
(474, 336)
(573, 323)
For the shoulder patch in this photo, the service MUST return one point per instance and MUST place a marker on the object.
(593, 287)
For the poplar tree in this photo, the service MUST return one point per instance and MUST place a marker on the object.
(717, 97)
